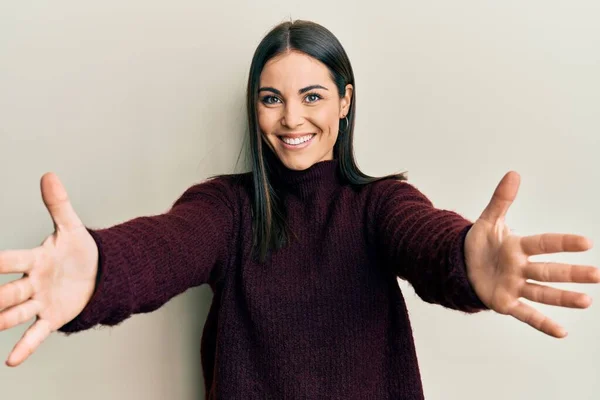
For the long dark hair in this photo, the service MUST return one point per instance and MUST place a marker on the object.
(270, 231)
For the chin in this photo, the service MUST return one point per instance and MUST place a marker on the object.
(297, 163)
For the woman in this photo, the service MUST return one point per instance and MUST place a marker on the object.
(302, 253)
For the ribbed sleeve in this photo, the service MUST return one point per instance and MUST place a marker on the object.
(425, 246)
(148, 260)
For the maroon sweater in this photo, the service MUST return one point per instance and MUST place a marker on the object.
(324, 317)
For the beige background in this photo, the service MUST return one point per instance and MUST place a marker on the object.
(132, 102)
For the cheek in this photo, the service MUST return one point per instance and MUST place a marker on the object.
(267, 119)
(327, 120)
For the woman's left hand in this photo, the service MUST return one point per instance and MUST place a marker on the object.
(498, 264)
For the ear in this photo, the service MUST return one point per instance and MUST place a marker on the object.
(346, 101)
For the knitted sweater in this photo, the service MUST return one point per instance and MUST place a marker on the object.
(322, 318)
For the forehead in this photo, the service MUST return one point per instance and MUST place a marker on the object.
(294, 70)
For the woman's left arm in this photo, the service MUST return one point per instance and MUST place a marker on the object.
(473, 266)
(423, 245)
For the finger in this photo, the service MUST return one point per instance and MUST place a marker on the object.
(529, 315)
(18, 314)
(556, 272)
(15, 292)
(57, 202)
(503, 197)
(555, 297)
(16, 261)
(547, 243)
(30, 341)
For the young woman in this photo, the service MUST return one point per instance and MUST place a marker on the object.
(302, 253)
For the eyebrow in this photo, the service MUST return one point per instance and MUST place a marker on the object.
(303, 90)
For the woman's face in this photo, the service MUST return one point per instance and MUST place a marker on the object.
(299, 109)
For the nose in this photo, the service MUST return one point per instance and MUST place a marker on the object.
(292, 115)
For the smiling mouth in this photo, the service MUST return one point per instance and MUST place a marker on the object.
(298, 140)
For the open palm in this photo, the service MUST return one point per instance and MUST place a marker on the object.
(499, 268)
(58, 276)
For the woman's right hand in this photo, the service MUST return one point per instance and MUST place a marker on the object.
(58, 278)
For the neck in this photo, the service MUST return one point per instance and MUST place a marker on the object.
(319, 177)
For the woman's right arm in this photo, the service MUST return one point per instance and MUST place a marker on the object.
(81, 277)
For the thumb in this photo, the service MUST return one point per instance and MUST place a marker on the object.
(58, 204)
(503, 197)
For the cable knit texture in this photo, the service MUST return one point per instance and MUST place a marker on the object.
(322, 318)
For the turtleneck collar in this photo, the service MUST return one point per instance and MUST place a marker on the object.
(323, 174)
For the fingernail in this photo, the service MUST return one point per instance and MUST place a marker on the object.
(563, 333)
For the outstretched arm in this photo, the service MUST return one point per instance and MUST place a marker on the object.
(80, 277)
(472, 266)
(146, 261)
(424, 245)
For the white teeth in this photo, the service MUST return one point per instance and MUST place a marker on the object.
(297, 140)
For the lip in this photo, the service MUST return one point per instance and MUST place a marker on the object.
(295, 135)
(299, 146)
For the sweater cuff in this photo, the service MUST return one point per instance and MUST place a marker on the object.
(465, 298)
(111, 283)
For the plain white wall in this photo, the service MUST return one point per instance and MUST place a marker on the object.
(132, 102)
